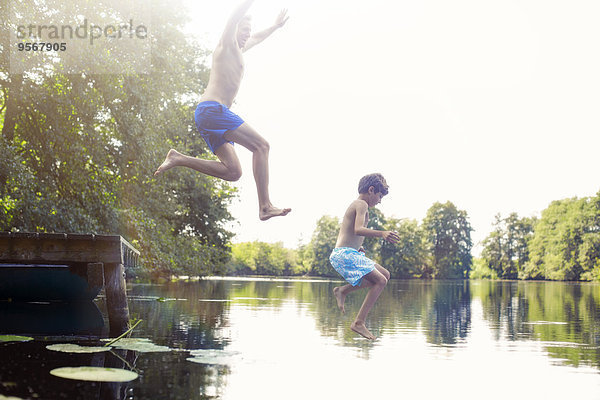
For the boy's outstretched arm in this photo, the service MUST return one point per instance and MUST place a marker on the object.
(262, 35)
(361, 230)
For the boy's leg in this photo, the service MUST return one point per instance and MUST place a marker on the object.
(246, 136)
(228, 167)
(377, 281)
(383, 271)
(340, 292)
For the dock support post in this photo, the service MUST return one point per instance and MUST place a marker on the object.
(95, 275)
(116, 298)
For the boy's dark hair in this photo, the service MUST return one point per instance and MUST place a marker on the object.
(376, 180)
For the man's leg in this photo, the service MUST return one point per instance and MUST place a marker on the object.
(228, 167)
(376, 280)
(246, 136)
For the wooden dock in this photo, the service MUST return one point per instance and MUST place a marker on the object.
(69, 268)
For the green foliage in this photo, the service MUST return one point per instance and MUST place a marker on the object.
(259, 258)
(409, 257)
(506, 248)
(371, 245)
(566, 242)
(481, 270)
(316, 254)
(78, 151)
(449, 235)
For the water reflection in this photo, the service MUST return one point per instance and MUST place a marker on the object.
(51, 318)
(563, 316)
(294, 343)
(196, 315)
(450, 316)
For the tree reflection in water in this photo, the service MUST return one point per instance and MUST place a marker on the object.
(259, 319)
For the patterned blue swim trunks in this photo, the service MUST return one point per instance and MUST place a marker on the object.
(351, 264)
(213, 119)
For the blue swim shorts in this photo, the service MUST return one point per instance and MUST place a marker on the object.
(213, 119)
(351, 264)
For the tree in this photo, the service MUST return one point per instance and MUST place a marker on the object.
(321, 246)
(589, 250)
(493, 251)
(506, 247)
(243, 259)
(409, 257)
(260, 258)
(78, 149)
(565, 244)
(372, 245)
(449, 234)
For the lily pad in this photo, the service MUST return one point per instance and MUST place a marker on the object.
(75, 348)
(212, 356)
(216, 300)
(142, 345)
(143, 298)
(2, 397)
(253, 298)
(13, 338)
(95, 374)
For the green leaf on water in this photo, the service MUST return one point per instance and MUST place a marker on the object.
(216, 300)
(142, 345)
(75, 348)
(95, 374)
(2, 397)
(13, 338)
(212, 356)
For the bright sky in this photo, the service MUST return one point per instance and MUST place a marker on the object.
(490, 104)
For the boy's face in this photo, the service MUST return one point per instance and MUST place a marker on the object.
(373, 197)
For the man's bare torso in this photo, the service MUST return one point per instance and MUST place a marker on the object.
(347, 237)
(225, 76)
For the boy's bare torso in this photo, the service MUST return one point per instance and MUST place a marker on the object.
(226, 75)
(347, 237)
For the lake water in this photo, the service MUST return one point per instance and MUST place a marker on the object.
(286, 339)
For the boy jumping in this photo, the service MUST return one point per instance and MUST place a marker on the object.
(220, 127)
(348, 257)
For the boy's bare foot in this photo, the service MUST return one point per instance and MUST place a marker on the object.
(340, 297)
(361, 329)
(169, 162)
(270, 212)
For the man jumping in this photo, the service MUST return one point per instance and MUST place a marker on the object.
(220, 127)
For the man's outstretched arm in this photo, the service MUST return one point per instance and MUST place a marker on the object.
(231, 28)
(262, 35)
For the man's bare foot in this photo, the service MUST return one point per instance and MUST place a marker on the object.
(169, 162)
(340, 297)
(361, 329)
(270, 212)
